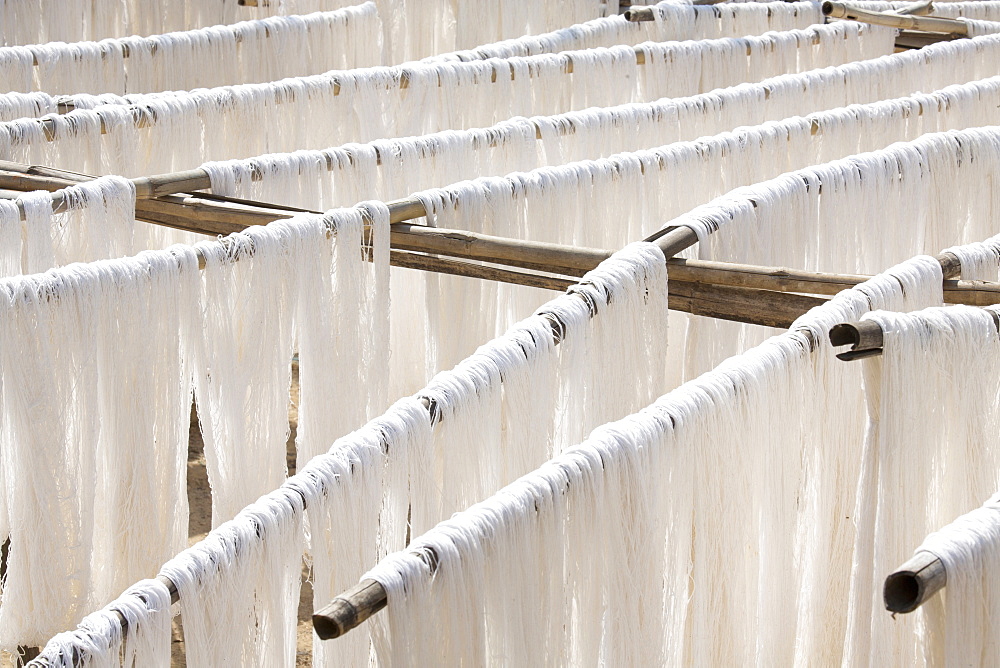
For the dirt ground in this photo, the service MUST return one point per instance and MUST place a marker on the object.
(200, 523)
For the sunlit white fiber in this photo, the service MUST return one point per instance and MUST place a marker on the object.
(822, 217)
(673, 22)
(239, 587)
(239, 121)
(359, 508)
(98, 641)
(416, 29)
(638, 560)
(673, 69)
(96, 221)
(832, 451)
(247, 52)
(932, 405)
(385, 169)
(985, 10)
(342, 327)
(980, 261)
(960, 623)
(628, 127)
(571, 204)
(10, 245)
(38, 21)
(421, 28)
(175, 140)
(96, 406)
(26, 105)
(496, 415)
(613, 328)
(977, 28)
(918, 178)
(243, 358)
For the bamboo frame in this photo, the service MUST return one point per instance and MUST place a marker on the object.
(843, 10)
(214, 215)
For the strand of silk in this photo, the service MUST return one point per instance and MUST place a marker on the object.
(944, 358)
(630, 529)
(673, 23)
(95, 433)
(270, 247)
(269, 292)
(417, 29)
(892, 283)
(98, 223)
(243, 356)
(958, 624)
(217, 123)
(742, 105)
(99, 641)
(781, 222)
(246, 52)
(342, 328)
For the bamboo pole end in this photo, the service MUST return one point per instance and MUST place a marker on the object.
(350, 609)
(639, 14)
(913, 583)
(865, 339)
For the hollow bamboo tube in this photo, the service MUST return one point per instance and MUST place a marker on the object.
(913, 583)
(841, 10)
(865, 339)
(639, 14)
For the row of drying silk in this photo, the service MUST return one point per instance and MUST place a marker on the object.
(176, 131)
(674, 22)
(275, 48)
(411, 28)
(247, 52)
(817, 508)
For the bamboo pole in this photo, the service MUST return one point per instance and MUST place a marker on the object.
(639, 14)
(842, 10)
(913, 583)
